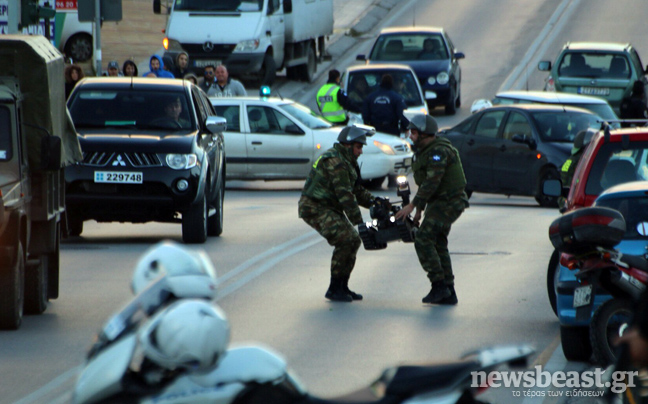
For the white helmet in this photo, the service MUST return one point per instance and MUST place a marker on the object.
(190, 274)
(189, 334)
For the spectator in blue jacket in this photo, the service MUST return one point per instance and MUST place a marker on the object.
(157, 68)
(383, 109)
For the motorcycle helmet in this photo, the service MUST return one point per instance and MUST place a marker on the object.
(355, 134)
(189, 274)
(189, 334)
(423, 123)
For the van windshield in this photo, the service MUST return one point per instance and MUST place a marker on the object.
(219, 5)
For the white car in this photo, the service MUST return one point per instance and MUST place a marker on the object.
(280, 139)
(597, 105)
(74, 37)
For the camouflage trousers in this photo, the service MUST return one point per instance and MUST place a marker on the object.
(339, 233)
(431, 243)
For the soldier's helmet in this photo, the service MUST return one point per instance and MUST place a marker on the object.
(424, 124)
(356, 134)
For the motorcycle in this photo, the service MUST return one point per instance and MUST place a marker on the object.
(258, 375)
(586, 238)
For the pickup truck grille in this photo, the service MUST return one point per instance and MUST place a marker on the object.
(101, 159)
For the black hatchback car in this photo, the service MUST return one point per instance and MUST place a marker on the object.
(152, 151)
(431, 54)
(513, 149)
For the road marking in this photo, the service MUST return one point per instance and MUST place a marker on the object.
(36, 396)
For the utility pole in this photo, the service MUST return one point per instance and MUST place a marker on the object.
(13, 16)
(97, 37)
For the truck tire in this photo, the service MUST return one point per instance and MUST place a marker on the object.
(12, 292)
(79, 48)
(215, 222)
(307, 71)
(194, 223)
(268, 72)
(36, 281)
(608, 322)
(53, 266)
(575, 343)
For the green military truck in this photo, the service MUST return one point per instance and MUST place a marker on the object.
(37, 141)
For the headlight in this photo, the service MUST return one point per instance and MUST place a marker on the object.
(385, 148)
(171, 44)
(442, 78)
(431, 80)
(181, 161)
(247, 46)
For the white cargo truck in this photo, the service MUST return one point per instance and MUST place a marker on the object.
(253, 38)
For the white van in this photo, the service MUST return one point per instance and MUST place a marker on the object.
(73, 38)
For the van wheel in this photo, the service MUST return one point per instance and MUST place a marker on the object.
(268, 71)
(215, 222)
(546, 200)
(36, 281)
(79, 48)
(307, 71)
(194, 223)
(12, 292)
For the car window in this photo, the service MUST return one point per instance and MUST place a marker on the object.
(636, 60)
(516, 124)
(613, 165)
(363, 83)
(634, 211)
(489, 123)
(202, 112)
(402, 47)
(128, 108)
(594, 65)
(5, 134)
(268, 120)
(563, 126)
(232, 114)
(306, 116)
(218, 5)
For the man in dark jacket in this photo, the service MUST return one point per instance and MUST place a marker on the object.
(329, 204)
(383, 109)
(441, 181)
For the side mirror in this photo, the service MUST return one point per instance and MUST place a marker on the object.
(216, 124)
(459, 55)
(51, 153)
(361, 58)
(544, 66)
(294, 130)
(526, 139)
(157, 7)
(552, 187)
(287, 6)
(480, 104)
(430, 95)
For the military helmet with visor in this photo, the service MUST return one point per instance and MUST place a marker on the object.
(424, 124)
(355, 134)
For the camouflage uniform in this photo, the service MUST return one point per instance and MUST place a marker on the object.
(440, 177)
(332, 190)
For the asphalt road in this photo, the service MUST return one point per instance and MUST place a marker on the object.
(274, 268)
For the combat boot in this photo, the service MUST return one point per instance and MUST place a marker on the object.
(345, 286)
(336, 291)
(452, 299)
(439, 292)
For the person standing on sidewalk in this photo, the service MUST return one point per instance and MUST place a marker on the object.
(332, 100)
(329, 204)
(441, 193)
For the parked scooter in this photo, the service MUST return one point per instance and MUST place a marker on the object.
(586, 237)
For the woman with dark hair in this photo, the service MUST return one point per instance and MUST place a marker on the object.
(129, 69)
(73, 73)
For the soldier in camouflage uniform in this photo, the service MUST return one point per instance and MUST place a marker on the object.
(441, 181)
(333, 190)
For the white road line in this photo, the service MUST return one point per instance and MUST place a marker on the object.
(54, 384)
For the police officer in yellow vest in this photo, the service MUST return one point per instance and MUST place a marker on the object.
(332, 100)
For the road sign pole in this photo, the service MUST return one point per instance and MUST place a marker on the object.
(97, 37)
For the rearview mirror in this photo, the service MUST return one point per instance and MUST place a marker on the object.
(361, 57)
(526, 139)
(216, 124)
(459, 55)
(157, 7)
(544, 66)
(552, 187)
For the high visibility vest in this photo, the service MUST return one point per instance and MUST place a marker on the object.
(327, 102)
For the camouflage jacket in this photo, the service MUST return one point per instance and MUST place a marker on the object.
(334, 182)
(439, 174)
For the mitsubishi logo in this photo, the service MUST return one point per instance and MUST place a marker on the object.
(119, 161)
(208, 46)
